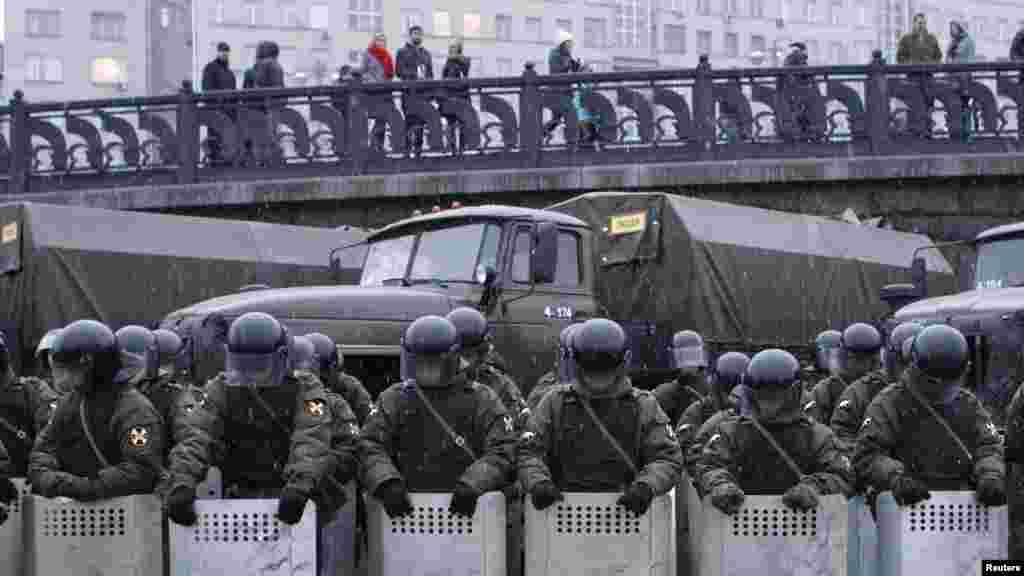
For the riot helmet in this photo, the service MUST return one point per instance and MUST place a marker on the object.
(895, 363)
(729, 370)
(859, 350)
(600, 349)
(826, 351)
(43, 351)
(565, 363)
(5, 357)
(257, 351)
(940, 358)
(169, 345)
(432, 345)
(85, 357)
(326, 351)
(474, 338)
(688, 354)
(140, 355)
(303, 355)
(774, 379)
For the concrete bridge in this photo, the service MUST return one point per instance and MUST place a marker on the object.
(935, 149)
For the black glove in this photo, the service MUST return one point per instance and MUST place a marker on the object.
(8, 491)
(637, 498)
(79, 488)
(545, 494)
(394, 498)
(290, 505)
(3, 514)
(180, 505)
(463, 500)
(991, 492)
(728, 498)
(908, 491)
(802, 496)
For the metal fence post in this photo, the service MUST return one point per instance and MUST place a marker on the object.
(704, 109)
(530, 116)
(188, 135)
(21, 145)
(877, 108)
(357, 125)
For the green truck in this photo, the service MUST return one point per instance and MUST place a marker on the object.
(746, 278)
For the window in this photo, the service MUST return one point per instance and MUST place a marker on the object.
(218, 12)
(677, 6)
(290, 14)
(534, 29)
(812, 10)
(319, 16)
(785, 9)
(730, 7)
(836, 12)
(732, 45)
(288, 59)
(758, 44)
(254, 12)
(704, 7)
(442, 24)
(365, 16)
(454, 253)
(387, 260)
(836, 53)
(108, 71)
(675, 39)
(521, 249)
(978, 25)
(630, 23)
(506, 67)
(1004, 26)
(564, 24)
(165, 18)
(471, 25)
(595, 33)
(39, 68)
(757, 8)
(567, 271)
(503, 27)
(703, 42)
(863, 52)
(42, 23)
(410, 18)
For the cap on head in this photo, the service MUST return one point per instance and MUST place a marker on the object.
(223, 47)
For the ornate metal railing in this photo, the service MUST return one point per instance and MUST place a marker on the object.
(652, 116)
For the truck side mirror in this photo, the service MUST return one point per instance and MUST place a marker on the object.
(919, 276)
(545, 253)
(898, 295)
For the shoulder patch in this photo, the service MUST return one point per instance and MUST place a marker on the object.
(138, 437)
(809, 405)
(373, 409)
(527, 436)
(508, 424)
(843, 404)
(314, 408)
(713, 438)
(865, 422)
(671, 432)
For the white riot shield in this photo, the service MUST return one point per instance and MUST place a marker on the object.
(588, 533)
(12, 540)
(338, 539)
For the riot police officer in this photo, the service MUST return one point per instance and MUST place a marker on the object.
(826, 359)
(927, 432)
(859, 355)
(43, 368)
(26, 405)
(268, 429)
(718, 405)
(690, 359)
(563, 371)
(331, 362)
(105, 439)
(474, 335)
(438, 431)
(170, 346)
(620, 438)
(140, 366)
(8, 491)
(777, 449)
(849, 412)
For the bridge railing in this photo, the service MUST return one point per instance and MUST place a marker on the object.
(654, 116)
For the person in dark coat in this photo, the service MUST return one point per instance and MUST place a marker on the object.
(1017, 46)
(105, 439)
(690, 360)
(729, 370)
(8, 491)
(561, 61)
(859, 355)
(330, 363)
(26, 406)
(455, 68)
(563, 371)
(414, 63)
(217, 76)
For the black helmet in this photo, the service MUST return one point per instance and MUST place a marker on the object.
(169, 344)
(84, 339)
(470, 325)
(861, 338)
(729, 369)
(325, 349)
(139, 352)
(431, 335)
(303, 354)
(940, 351)
(773, 368)
(257, 350)
(599, 345)
(901, 333)
(688, 350)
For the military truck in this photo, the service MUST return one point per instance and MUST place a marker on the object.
(990, 312)
(657, 263)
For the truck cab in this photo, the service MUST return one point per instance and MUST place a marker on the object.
(528, 271)
(990, 313)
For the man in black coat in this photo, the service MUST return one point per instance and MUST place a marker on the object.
(217, 76)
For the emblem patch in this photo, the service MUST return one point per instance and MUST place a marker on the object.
(353, 429)
(844, 404)
(315, 408)
(865, 422)
(671, 432)
(138, 437)
(373, 410)
(713, 438)
(527, 436)
(508, 424)
(809, 405)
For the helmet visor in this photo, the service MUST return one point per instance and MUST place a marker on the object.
(689, 357)
(599, 361)
(259, 370)
(133, 368)
(566, 367)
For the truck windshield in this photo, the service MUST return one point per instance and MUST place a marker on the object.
(999, 264)
(445, 254)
